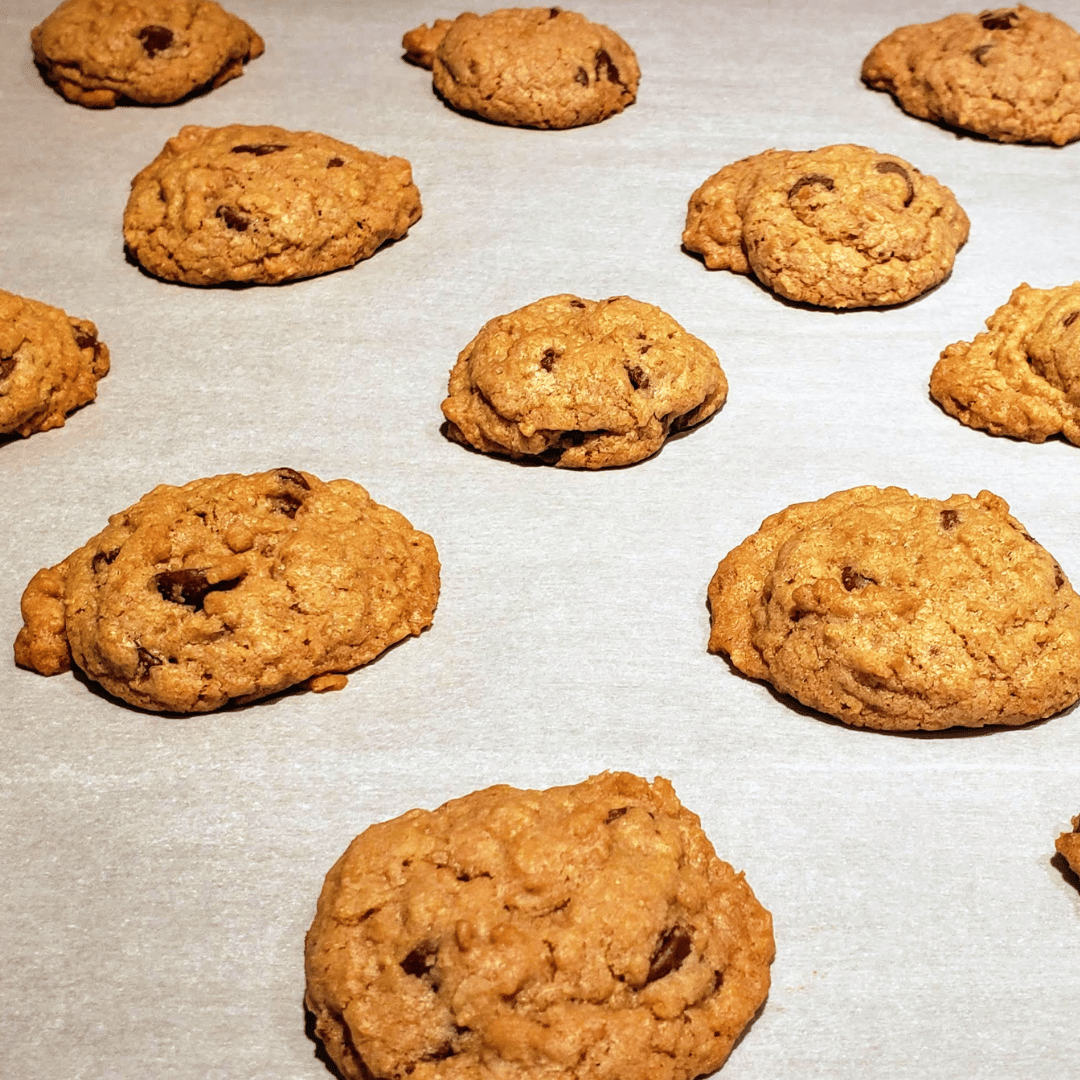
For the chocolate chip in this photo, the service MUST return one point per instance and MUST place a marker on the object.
(980, 52)
(899, 170)
(291, 476)
(190, 587)
(258, 149)
(581, 76)
(811, 180)
(7, 366)
(554, 12)
(1070, 318)
(1059, 577)
(577, 303)
(673, 949)
(949, 519)
(547, 361)
(85, 340)
(639, 379)
(232, 218)
(605, 67)
(852, 579)
(155, 39)
(335, 163)
(998, 20)
(146, 661)
(285, 504)
(614, 815)
(103, 558)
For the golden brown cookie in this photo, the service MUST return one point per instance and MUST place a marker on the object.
(50, 364)
(153, 52)
(260, 204)
(527, 67)
(887, 610)
(1011, 74)
(581, 383)
(1068, 846)
(587, 931)
(1020, 377)
(840, 227)
(231, 588)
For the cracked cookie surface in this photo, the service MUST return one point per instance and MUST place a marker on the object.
(581, 931)
(152, 52)
(1021, 376)
(1011, 74)
(891, 611)
(527, 67)
(50, 364)
(581, 383)
(1068, 846)
(259, 204)
(840, 227)
(231, 588)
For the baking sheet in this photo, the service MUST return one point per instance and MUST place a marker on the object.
(159, 873)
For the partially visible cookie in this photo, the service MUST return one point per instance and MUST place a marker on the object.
(528, 67)
(260, 204)
(587, 931)
(153, 52)
(891, 611)
(1011, 74)
(231, 588)
(1068, 845)
(581, 383)
(1020, 377)
(50, 364)
(840, 227)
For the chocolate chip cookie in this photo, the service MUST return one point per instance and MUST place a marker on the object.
(1068, 846)
(50, 364)
(527, 67)
(153, 52)
(582, 931)
(1011, 74)
(260, 204)
(840, 227)
(231, 588)
(1021, 377)
(581, 383)
(887, 610)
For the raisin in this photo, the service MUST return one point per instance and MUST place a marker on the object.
(85, 340)
(577, 303)
(155, 39)
(899, 170)
(614, 815)
(547, 361)
(554, 13)
(291, 476)
(285, 504)
(673, 949)
(605, 67)
(1059, 577)
(7, 366)
(998, 20)
(335, 163)
(233, 219)
(639, 379)
(1070, 318)
(581, 76)
(812, 179)
(979, 53)
(103, 558)
(258, 149)
(189, 587)
(949, 519)
(852, 579)
(420, 961)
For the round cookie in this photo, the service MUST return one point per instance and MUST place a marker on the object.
(587, 931)
(50, 364)
(153, 52)
(231, 588)
(581, 383)
(1011, 74)
(1068, 846)
(527, 67)
(1021, 377)
(891, 611)
(840, 227)
(260, 204)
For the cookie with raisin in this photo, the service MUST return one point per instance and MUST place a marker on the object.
(1011, 74)
(587, 931)
(259, 204)
(891, 611)
(527, 67)
(231, 588)
(149, 52)
(840, 227)
(50, 364)
(581, 384)
(1021, 376)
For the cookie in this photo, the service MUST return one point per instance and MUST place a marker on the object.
(152, 52)
(840, 227)
(50, 364)
(260, 204)
(581, 383)
(527, 67)
(1068, 846)
(587, 931)
(1011, 74)
(1021, 377)
(891, 611)
(231, 588)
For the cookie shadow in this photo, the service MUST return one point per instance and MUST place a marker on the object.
(1061, 864)
(320, 1050)
(1056, 437)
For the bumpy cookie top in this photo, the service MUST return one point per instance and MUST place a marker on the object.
(581, 383)
(840, 227)
(887, 610)
(49, 364)
(98, 52)
(1068, 844)
(1011, 74)
(231, 588)
(1022, 376)
(528, 67)
(261, 204)
(582, 931)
